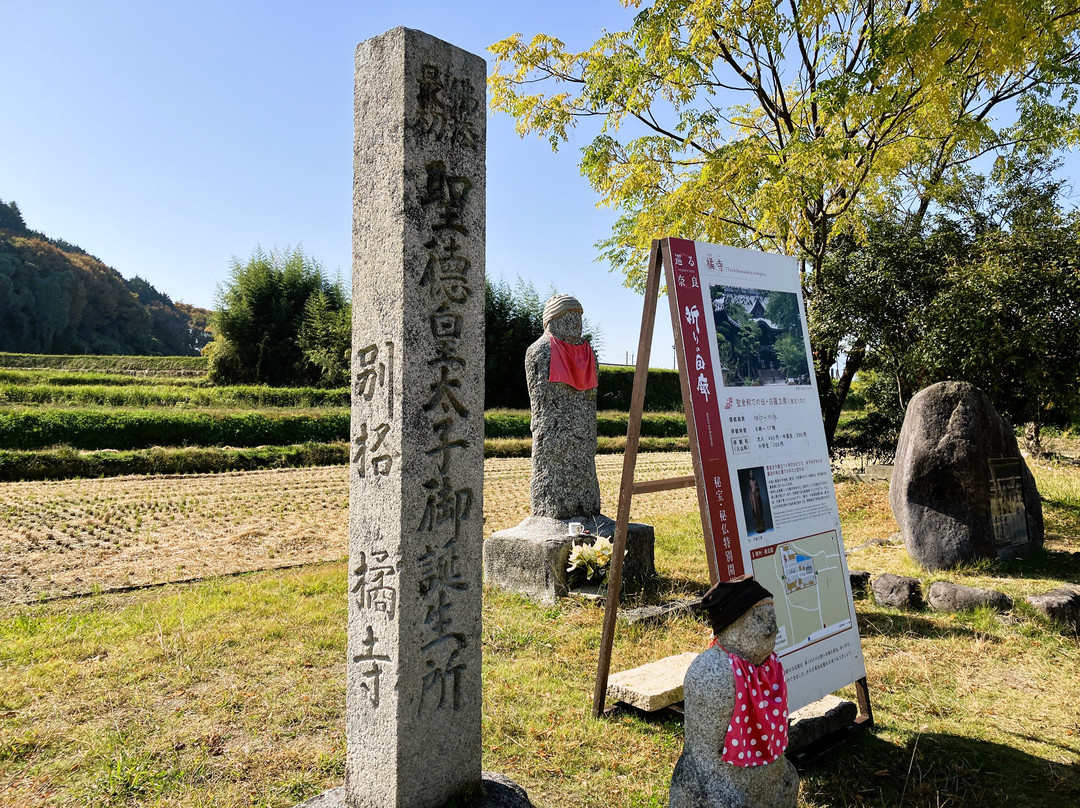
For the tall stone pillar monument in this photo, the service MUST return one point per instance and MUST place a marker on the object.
(416, 476)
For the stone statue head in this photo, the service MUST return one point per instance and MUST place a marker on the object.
(562, 318)
(743, 617)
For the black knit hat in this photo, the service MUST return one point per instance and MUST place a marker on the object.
(727, 601)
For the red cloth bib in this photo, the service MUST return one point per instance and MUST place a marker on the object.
(574, 365)
(758, 732)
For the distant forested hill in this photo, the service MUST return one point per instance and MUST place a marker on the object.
(57, 298)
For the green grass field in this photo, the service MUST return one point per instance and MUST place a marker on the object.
(230, 691)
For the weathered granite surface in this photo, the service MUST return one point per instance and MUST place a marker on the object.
(1061, 605)
(499, 791)
(898, 590)
(652, 686)
(949, 597)
(563, 425)
(814, 721)
(941, 485)
(531, 558)
(701, 779)
(413, 685)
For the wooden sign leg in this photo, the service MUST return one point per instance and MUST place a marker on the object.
(633, 434)
(866, 712)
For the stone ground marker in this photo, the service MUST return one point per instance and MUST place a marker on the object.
(416, 475)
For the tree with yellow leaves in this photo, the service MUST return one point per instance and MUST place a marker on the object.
(779, 124)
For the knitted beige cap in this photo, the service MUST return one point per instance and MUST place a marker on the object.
(560, 305)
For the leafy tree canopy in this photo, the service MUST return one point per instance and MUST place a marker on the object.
(260, 314)
(57, 298)
(780, 125)
(987, 291)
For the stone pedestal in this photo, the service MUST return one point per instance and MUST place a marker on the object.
(531, 558)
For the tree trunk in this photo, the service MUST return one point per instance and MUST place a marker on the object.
(832, 396)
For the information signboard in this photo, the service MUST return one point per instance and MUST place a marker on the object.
(761, 460)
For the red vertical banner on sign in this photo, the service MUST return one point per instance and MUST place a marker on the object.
(696, 331)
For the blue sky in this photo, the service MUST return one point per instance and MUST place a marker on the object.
(167, 137)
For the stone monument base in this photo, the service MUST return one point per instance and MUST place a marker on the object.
(499, 792)
(531, 559)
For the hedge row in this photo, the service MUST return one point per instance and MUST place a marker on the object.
(522, 447)
(149, 365)
(69, 378)
(129, 429)
(67, 463)
(142, 429)
(515, 424)
(663, 392)
(160, 395)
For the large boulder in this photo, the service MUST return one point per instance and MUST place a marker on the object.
(960, 488)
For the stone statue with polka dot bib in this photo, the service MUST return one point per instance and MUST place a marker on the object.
(735, 699)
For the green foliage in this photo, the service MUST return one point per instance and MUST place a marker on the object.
(513, 320)
(985, 292)
(164, 395)
(261, 311)
(515, 424)
(89, 363)
(326, 336)
(11, 217)
(780, 125)
(56, 298)
(67, 463)
(663, 390)
(142, 429)
(175, 328)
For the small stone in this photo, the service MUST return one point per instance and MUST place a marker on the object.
(656, 614)
(950, 597)
(653, 686)
(1061, 605)
(898, 590)
(860, 583)
(814, 721)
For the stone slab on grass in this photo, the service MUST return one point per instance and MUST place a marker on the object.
(950, 597)
(652, 686)
(1060, 605)
(659, 613)
(814, 721)
(898, 591)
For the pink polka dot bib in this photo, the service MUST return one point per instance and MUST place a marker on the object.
(758, 732)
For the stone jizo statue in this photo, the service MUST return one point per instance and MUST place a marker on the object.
(560, 368)
(735, 698)
(532, 557)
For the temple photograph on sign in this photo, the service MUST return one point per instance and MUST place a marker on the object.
(759, 336)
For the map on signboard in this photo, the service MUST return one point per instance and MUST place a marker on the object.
(806, 578)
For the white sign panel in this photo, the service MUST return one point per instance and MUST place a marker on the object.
(771, 505)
